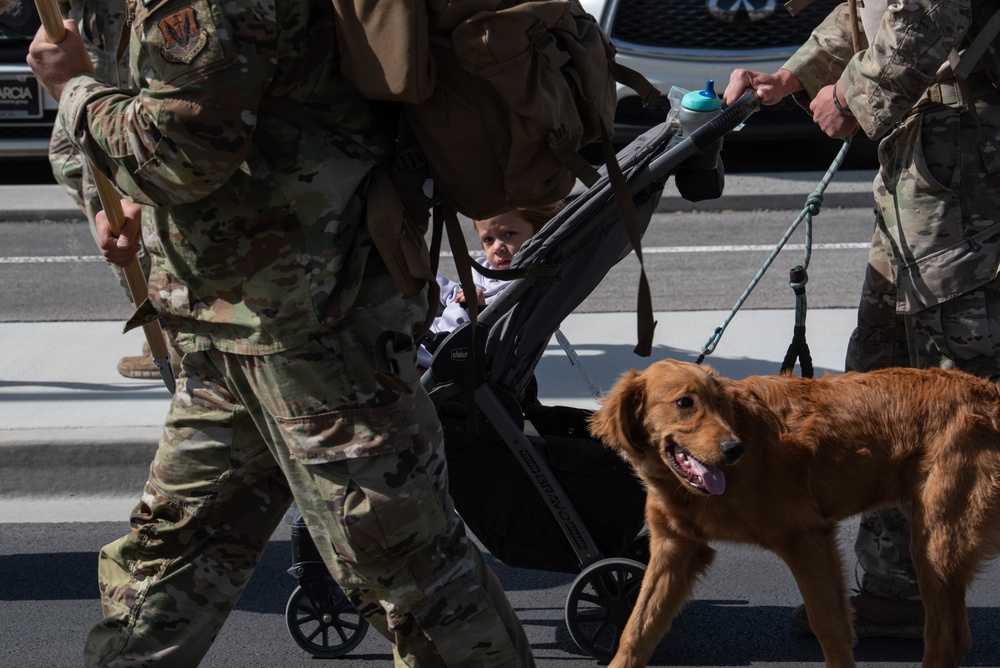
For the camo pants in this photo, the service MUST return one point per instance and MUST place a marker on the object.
(245, 435)
(964, 333)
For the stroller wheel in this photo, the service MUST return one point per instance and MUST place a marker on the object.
(321, 619)
(600, 602)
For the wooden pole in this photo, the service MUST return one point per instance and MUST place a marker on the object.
(55, 32)
(852, 12)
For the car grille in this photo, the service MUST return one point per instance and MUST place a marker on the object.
(687, 24)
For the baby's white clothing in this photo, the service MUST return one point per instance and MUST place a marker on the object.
(451, 313)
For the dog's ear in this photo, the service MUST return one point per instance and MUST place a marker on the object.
(618, 423)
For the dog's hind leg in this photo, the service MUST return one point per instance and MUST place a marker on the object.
(674, 565)
(946, 556)
(814, 559)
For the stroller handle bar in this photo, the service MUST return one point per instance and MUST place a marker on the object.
(727, 120)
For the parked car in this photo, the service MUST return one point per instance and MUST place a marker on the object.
(27, 112)
(685, 42)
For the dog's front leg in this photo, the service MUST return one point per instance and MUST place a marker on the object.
(814, 560)
(674, 565)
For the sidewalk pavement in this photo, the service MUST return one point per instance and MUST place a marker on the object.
(69, 422)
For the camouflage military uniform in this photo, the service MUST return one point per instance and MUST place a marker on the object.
(263, 267)
(930, 295)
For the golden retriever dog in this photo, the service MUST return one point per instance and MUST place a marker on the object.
(777, 461)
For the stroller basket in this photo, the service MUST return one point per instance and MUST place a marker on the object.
(506, 508)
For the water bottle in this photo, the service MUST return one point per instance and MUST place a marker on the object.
(702, 175)
(698, 107)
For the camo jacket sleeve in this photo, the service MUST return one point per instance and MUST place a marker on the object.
(188, 125)
(252, 150)
(100, 24)
(823, 57)
(884, 80)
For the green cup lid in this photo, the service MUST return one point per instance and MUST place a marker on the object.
(702, 100)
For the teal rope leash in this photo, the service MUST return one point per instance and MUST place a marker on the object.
(798, 275)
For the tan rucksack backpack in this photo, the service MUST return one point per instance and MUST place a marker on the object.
(497, 100)
(500, 96)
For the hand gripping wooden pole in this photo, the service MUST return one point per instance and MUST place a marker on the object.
(55, 31)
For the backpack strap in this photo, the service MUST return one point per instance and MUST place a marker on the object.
(636, 81)
(561, 144)
(645, 324)
(989, 147)
(446, 215)
(124, 37)
(976, 49)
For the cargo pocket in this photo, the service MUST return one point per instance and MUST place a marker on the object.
(394, 510)
(345, 434)
(923, 214)
(926, 188)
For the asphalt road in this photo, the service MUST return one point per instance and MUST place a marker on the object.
(739, 615)
(695, 260)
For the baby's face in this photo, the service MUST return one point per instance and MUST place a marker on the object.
(502, 237)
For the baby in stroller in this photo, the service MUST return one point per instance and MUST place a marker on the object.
(501, 237)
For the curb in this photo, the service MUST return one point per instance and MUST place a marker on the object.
(34, 440)
(48, 216)
(35, 203)
(68, 461)
(845, 200)
(849, 189)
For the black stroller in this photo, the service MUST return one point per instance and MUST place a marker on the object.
(527, 460)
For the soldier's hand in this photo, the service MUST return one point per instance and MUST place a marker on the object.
(120, 249)
(55, 64)
(829, 118)
(770, 88)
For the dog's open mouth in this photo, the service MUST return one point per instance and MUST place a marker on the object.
(705, 478)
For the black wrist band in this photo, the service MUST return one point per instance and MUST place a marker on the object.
(836, 103)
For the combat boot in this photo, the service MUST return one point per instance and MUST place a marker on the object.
(143, 367)
(877, 617)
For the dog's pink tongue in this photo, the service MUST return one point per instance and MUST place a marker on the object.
(713, 478)
(715, 481)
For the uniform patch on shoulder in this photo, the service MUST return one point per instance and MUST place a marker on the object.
(183, 38)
